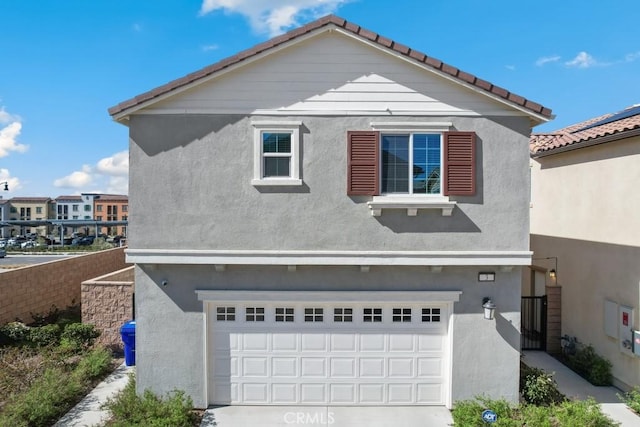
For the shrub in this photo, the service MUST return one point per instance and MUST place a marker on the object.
(45, 401)
(14, 332)
(586, 413)
(632, 399)
(129, 409)
(45, 335)
(78, 336)
(538, 387)
(94, 365)
(591, 366)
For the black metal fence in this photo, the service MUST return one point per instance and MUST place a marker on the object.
(534, 323)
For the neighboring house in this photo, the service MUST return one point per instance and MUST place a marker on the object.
(340, 207)
(584, 216)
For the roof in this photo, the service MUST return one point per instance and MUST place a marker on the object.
(70, 198)
(30, 199)
(598, 130)
(111, 198)
(462, 77)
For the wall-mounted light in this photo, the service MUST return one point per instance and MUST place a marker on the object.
(552, 273)
(6, 185)
(489, 308)
(487, 276)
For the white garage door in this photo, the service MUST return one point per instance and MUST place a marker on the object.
(319, 353)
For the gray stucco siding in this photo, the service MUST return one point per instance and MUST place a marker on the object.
(170, 329)
(193, 174)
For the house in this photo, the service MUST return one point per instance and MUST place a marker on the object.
(585, 226)
(342, 205)
(27, 211)
(112, 207)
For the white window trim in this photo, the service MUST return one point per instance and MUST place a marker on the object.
(275, 126)
(412, 202)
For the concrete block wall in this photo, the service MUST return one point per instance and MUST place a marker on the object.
(107, 302)
(37, 288)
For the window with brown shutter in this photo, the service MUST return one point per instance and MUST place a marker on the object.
(363, 153)
(459, 178)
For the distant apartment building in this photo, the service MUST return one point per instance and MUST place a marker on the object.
(26, 209)
(4, 215)
(112, 207)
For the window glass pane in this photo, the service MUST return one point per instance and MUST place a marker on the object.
(426, 163)
(276, 142)
(395, 163)
(276, 166)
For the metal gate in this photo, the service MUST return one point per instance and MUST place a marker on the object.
(533, 312)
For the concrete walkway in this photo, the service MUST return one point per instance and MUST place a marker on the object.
(88, 412)
(575, 387)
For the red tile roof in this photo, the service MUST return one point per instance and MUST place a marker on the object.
(463, 77)
(30, 199)
(601, 129)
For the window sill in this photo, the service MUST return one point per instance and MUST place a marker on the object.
(411, 204)
(276, 182)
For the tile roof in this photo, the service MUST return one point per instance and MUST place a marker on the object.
(601, 129)
(73, 198)
(30, 199)
(461, 76)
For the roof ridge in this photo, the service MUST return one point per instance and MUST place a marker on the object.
(462, 76)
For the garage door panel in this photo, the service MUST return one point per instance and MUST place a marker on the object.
(284, 367)
(298, 362)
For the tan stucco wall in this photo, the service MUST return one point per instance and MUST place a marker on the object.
(589, 194)
(585, 212)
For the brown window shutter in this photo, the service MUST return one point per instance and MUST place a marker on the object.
(459, 164)
(363, 159)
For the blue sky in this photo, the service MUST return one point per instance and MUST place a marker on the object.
(64, 62)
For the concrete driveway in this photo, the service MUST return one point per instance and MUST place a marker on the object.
(335, 416)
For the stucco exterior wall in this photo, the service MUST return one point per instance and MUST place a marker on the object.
(590, 273)
(177, 349)
(206, 162)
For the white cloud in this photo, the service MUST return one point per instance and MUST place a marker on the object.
(110, 172)
(10, 128)
(116, 165)
(273, 17)
(510, 67)
(210, 47)
(546, 59)
(14, 183)
(630, 57)
(583, 60)
(78, 179)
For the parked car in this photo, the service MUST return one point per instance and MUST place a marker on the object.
(29, 244)
(83, 241)
(3, 253)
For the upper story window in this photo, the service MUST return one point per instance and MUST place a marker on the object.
(75, 208)
(276, 153)
(411, 163)
(87, 208)
(98, 208)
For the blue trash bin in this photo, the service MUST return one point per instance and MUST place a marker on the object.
(128, 333)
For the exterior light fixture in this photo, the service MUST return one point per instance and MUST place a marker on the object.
(552, 273)
(489, 308)
(6, 185)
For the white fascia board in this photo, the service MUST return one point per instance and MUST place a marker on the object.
(388, 258)
(329, 296)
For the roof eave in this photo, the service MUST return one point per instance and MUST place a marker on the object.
(588, 143)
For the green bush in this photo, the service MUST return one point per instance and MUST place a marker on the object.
(586, 413)
(632, 399)
(78, 336)
(14, 332)
(94, 365)
(538, 388)
(591, 366)
(128, 409)
(44, 335)
(44, 402)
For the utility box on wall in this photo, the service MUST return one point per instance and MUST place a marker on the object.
(625, 331)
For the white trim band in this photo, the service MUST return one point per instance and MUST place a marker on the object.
(270, 257)
(329, 296)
